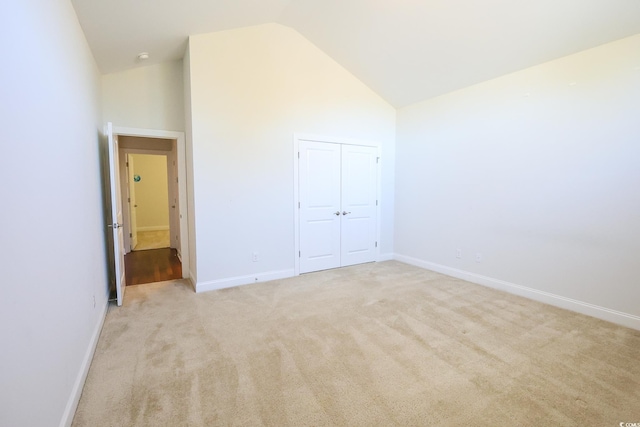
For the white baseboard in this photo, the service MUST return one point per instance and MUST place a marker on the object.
(76, 392)
(618, 317)
(386, 257)
(153, 228)
(243, 280)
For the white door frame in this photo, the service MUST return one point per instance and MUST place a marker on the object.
(182, 182)
(297, 137)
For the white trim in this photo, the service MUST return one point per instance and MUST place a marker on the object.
(149, 133)
(296, 201)
(182, 182)
(243, 280)
(618, 317)
(76, 392)
(297, 137)
(154, 228)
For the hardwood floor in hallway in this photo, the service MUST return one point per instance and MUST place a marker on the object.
(153, 265)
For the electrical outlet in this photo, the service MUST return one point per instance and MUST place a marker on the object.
(478, 257)
(254, 257)
(458, 253)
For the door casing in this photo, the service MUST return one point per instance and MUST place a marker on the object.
(182, 183)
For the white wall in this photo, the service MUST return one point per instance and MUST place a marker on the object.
(149, 97)
(52, 252)
(539, 171)
(188, 120)
(251, 89)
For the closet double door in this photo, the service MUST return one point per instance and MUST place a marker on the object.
(337, 186)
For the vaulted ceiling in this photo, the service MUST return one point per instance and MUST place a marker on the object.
(405, 50)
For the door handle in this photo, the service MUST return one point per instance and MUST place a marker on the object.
(345, 213)
(337, 213)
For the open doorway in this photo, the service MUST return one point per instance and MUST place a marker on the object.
(148, 201)
(154, 231)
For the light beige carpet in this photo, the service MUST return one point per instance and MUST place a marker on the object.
(155, 239)
(379, 344)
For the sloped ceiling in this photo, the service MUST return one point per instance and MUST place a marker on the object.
(405, 50)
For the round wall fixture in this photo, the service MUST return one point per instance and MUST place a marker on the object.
(143, 55)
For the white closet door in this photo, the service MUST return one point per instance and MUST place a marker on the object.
(359, 211)
(320, 214)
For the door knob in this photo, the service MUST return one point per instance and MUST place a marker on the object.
(345, 213)
(337, 213)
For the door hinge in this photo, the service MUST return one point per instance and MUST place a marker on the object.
(129, 199)
(299, 255)
(376, 244)
(127, 164)
(298, 205)
(377, 159)
(298, 154)
(376, 203)
(130, 235)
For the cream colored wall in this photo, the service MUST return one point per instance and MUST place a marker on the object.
(151, 192)
(251, 89)
(149, 97)
(539, 172)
